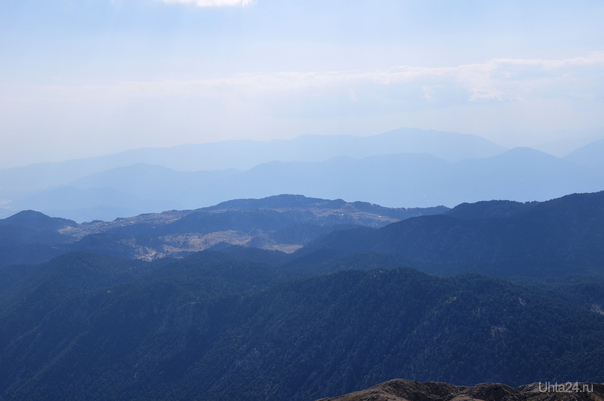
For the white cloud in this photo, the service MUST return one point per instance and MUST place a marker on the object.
(213, 3)
(499, 96)
(495, 80)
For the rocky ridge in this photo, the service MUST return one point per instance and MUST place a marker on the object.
(407, 390)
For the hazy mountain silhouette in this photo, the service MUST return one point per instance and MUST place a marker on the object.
(411, 168)
(591, 154)
(395, 180)
(246, 154)
(95, 203)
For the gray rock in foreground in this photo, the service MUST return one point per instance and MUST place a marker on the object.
(407, 390)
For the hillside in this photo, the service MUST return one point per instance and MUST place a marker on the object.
(349, 309)
(284, 222)
(406, 390)
(558, 237)
(499, 238)
(235, 326)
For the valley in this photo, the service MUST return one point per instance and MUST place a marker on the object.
(199, 304)
(293, 200)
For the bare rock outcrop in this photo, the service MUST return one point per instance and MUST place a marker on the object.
(407, 390)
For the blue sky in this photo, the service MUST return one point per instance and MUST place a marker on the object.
(89, 77)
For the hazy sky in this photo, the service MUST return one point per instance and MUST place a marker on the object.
(90, 77)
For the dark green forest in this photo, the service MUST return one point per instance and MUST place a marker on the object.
(351, 309)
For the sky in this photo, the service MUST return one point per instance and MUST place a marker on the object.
(82, 78)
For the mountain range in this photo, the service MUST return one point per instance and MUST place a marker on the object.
(498, 238)
(244, 326)
(403, 168)
(354, 303)
(258, 296)
(285, 223)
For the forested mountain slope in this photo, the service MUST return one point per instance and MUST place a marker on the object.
(557, 237)
(235, 326)
(282, 222)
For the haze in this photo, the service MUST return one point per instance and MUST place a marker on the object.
(92, 77)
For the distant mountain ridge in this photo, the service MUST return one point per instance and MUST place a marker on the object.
(245, 154)
(499, 238)
(591, 154)
(557, 237)
(283, 222)
(412, 180)
(198, 175)
(33, 228)
(406, 167)
(36, 220)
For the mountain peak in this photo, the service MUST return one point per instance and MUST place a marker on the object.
(590, 154)
(38, 220)
(487, 209)
(275, 201)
